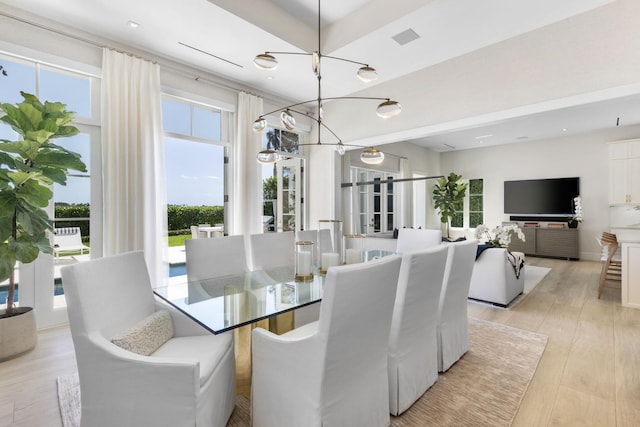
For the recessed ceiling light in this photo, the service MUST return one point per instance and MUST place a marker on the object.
(133, 24)
(564, 130)
(269, 77)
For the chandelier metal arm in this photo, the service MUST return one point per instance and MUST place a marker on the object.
(366, 73)
(357, 97)
(319, 54)
(345, 60)
(321, 123)
(289, 53)
(318, 121)
(288, 107)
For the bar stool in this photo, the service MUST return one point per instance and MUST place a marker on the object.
(611, 274)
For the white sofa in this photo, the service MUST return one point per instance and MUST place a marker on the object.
(495, 279)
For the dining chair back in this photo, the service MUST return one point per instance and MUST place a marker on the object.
(417, 239)
(413, 345)
(269, 250)
(187, 378)
(207, 258)
(332, 372)
(611, 272)
(453, 322)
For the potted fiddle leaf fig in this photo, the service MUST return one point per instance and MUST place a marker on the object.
(448, 196)
(28, 169)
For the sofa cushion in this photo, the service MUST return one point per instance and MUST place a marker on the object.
(147, 335)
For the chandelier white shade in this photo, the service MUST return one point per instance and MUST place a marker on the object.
(367, 74)
(287, 120)
(259, 125)
(265, 61)
(267, 157)
(372, 156)
(388, 109)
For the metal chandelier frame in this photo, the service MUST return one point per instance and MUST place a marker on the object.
(386, 109)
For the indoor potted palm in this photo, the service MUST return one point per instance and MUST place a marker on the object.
(448, 196)
(28, 169)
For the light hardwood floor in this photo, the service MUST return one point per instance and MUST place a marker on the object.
(589, 374)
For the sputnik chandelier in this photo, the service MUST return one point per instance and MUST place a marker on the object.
(386, 109)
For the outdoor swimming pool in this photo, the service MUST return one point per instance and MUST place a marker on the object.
(174, 270)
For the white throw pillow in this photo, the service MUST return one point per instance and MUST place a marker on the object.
(148, 335)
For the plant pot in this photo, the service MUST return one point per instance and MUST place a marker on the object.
(17, 333)
(572, 223)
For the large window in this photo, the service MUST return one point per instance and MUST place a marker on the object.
(476, 205)
(195, 164)
(472, 207)
(72, 203)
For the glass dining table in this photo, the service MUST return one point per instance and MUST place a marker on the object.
(224, 303)
(263, 298)
(221, 304)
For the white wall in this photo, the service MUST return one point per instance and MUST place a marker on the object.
(585, 156)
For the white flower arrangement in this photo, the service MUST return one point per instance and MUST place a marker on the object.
(499, 236)
(577, 203)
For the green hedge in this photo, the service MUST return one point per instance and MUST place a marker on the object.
(179, 218)
(74, 211)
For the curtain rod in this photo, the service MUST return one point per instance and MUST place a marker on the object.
(388, 181)
(165, 65)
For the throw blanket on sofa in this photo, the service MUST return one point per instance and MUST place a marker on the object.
(517, 262)
(515, 259)
(481, 248)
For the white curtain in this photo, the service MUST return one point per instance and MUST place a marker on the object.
(405, 195)
(247, 176)
(135, 205)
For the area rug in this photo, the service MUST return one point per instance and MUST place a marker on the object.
(533, 276)
(484, 388)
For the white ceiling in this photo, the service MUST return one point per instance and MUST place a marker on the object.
(223, 36)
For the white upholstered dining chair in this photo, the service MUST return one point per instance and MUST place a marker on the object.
(207, 258)
(166, 369)
(453, 321)
(332, 372)
(413, 344)
(274, 252)
(417, 239)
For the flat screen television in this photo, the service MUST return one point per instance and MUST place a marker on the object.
(541, 196)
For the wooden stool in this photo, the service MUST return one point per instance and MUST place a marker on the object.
(611, 274)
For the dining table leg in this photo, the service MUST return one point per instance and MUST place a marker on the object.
(242, 341)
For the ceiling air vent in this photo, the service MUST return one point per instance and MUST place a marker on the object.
(405, 37)
(450, 147)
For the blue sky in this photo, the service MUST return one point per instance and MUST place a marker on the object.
(195, 174)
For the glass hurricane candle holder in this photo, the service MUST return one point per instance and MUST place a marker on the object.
(304, 261)
(354, 248)
(330, 243)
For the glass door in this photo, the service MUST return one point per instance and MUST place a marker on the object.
(77, 216)
(289, 195)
